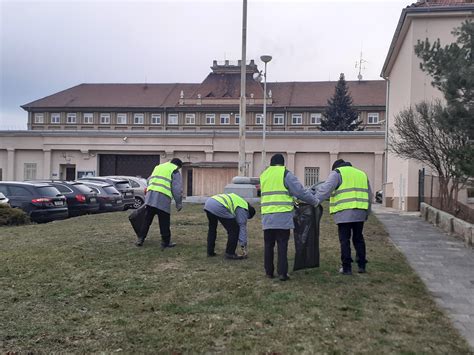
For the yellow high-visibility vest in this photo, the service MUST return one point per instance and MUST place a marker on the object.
(275, 197)
(160, 180)
(231, 202)
(353, 193)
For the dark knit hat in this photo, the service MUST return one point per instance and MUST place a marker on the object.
(277, 159)
(177, 162)
(338, 163)
(251, 211)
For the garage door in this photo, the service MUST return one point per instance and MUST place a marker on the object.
(130, 165)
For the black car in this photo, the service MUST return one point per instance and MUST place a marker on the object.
(122, 185)
(42, 202)
(80, 198)
(110, 199)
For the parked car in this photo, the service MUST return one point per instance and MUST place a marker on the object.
(42, 202)
(120, 184)
(109, 198)
(4, 200)
(80, 198)
(139, 186)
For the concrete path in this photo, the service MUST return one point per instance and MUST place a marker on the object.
(442, 262)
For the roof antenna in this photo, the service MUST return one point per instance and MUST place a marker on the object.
(360, 64)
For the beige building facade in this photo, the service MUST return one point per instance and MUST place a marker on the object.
(408, 85)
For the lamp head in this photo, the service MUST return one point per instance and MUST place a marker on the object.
(266, 58)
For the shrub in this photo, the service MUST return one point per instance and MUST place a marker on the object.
(12, 216)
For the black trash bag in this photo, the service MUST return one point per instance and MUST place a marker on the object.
(306, 233)
(137, 220)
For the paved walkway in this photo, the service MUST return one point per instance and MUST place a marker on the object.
(442, 262)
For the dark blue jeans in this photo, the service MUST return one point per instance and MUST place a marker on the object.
(345, 231)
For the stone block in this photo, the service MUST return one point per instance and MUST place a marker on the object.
(245, 180)
(463, 229)
(445, 221)
(432, 215)
(424, 210)
(243, 190)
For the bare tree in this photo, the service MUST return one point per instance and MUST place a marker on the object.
(419, 133)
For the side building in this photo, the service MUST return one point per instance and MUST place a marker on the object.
(106, 129)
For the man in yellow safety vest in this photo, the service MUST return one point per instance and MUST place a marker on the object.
(164, 184)
(350, 199)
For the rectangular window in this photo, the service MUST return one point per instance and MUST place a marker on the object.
(55, 118)
(279, 119)
(316, 118)
(29, 171)
(225, 119)
(297, 118)
(39, 118)
(155, 118)
(311, 176)
(138, 118)
(210, 118)
(190, 118)
(121, 118)
(373, 118)
(88, 118)
(237, 119)
(172, 118)
(71, 118)
(259, 118)
(105, 118)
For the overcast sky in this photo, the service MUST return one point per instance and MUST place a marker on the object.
(48, 46)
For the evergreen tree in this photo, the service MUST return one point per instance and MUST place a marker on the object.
(340, 115)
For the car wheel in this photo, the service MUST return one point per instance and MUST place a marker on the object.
(138, 202)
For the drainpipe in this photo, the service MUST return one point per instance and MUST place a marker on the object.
(385, 170)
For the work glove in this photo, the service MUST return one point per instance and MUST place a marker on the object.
(179, 207)
(243, 251)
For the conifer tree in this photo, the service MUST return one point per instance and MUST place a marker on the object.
(340, 115)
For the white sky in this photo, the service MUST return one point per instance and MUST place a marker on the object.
(48, 46)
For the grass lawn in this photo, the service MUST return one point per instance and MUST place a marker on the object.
(80, 285)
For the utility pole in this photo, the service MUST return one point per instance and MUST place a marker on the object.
(243, 102)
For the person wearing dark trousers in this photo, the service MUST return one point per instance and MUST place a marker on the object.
(350, 200)
(278, 188)
(164, 184)
(233, 212)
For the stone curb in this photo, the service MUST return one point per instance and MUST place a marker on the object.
(448, 223)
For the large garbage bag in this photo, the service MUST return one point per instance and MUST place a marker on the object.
(306, 234)
(137, 220)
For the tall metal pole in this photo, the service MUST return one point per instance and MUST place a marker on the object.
(264, 133)
(243, 71)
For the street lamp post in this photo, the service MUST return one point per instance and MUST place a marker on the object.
(265, 59)
(243, 103)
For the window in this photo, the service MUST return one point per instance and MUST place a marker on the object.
(105, 118)
(155, 118)
(311, 176)
(55, 118)
(225, 119)
(237, 119)
(71, 118)
(138, 118)
(39, 118)
(173, 118)
(297, 118)
(121, 118)
(29, 171)
(259, 118)
(210, 118)
(373, 118)
(278, 119)
(316, 118)
(19, 191)
(190, 118)
(88, 118)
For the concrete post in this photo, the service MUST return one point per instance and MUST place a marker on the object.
(290, 163)
(10, 164)
(378, 171)
(46, 163)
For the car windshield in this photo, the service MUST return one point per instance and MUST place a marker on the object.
(48, 191)
(83, 188)
(111, 190)
(123, 185)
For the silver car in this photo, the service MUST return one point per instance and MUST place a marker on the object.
(139, 186)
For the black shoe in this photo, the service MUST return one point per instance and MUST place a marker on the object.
(169, 245)
(284, 277)
(233, 256)
(270, 276)
(362, 270)
(345, 272)
(139, 242)
(211, 254)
